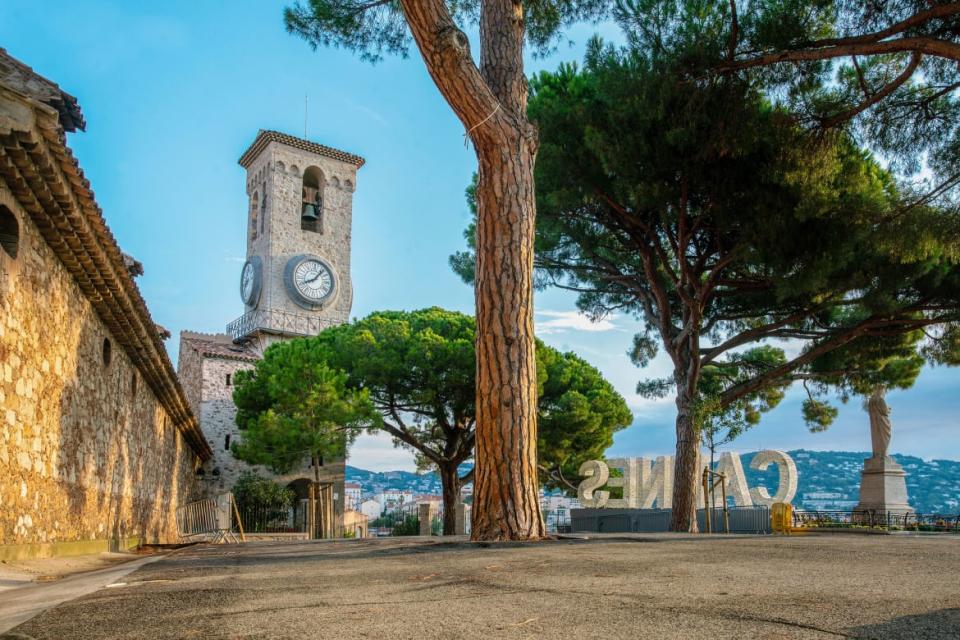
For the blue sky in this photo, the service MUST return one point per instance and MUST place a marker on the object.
(174, 92)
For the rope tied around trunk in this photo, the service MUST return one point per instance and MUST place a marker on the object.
(466, 136)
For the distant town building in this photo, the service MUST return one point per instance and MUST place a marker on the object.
(393, 498)
(351, 495)
(356, 524)
(371, 508)
(98, 444)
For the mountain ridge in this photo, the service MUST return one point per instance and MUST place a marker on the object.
(827, 480)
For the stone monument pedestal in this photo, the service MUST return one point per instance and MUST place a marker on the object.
(883, 487)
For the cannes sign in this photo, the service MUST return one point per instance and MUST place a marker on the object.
(648, 482)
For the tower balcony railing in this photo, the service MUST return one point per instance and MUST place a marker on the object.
(277, 321)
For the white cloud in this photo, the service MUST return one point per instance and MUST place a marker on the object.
(376, 452)
(571, 321)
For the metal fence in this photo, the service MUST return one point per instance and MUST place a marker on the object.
(557, 521)
(880, 520)
(279, 517)
(405, 521)
(209, 519)
(742, 520)
(401, 521)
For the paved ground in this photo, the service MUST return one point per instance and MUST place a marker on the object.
(18, 573)
(32, 586)
(654, 586)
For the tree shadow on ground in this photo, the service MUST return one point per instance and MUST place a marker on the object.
(943, 623)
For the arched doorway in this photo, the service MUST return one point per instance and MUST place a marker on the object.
(300, 488)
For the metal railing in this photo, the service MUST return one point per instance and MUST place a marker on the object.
(279, 321)
(400, 521)
(274, 518)
(210, 519)
(741, 520)
(405, 521)
(557, 521)
(884, 520)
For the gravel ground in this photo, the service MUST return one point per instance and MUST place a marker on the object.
(649, 586)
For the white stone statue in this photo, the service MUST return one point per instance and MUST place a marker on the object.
(880, 428)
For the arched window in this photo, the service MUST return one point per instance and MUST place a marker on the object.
(9, 232)
(254, 212)
(311, 209)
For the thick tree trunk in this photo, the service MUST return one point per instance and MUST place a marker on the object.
(450, 481)
(685, 471)
(491, 102)
(506, 488)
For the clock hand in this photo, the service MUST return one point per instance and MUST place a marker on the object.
(312, 279)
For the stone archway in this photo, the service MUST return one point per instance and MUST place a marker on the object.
(300, 488)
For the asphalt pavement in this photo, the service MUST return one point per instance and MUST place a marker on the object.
(649, 586)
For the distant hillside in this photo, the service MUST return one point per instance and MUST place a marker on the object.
(827, 480)
(831, 480)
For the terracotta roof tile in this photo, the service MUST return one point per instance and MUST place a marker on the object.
(35, 163)
(218, 346)
(21, 78)
(265, 137)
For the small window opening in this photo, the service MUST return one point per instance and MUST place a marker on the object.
(228, 380)
(263, 208)
(9, 232)
(107, 352)
(226, 443)
(254, 212)
(311, 207)
(133, 384)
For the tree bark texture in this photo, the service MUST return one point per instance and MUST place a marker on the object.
(491, 103)
(450, 480)
(506, 488)
(686, 473)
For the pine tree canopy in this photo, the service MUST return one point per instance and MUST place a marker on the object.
(713, 215)
(886, 71)
(718, 219)
(419, 369)
(293, 409)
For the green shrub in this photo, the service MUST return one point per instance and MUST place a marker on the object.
(253, 491)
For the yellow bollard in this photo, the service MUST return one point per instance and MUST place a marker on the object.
(781, 517)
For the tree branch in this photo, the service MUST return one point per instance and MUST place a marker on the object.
(446, 51)
(874, 98)
(849, 47)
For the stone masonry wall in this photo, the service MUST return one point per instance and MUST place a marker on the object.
(204, 377)
(278, 172)
(86, 450)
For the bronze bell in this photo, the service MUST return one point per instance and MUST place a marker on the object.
(309, 213)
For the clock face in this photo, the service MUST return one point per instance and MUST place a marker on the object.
(246, 281)
(313, 279)
(250, 282)
(310, 281)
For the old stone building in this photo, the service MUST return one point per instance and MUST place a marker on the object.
(98, 445)
(294, 283)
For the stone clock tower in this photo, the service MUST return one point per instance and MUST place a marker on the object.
(295, 282)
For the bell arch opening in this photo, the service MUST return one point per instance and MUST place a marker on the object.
(311, 207)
